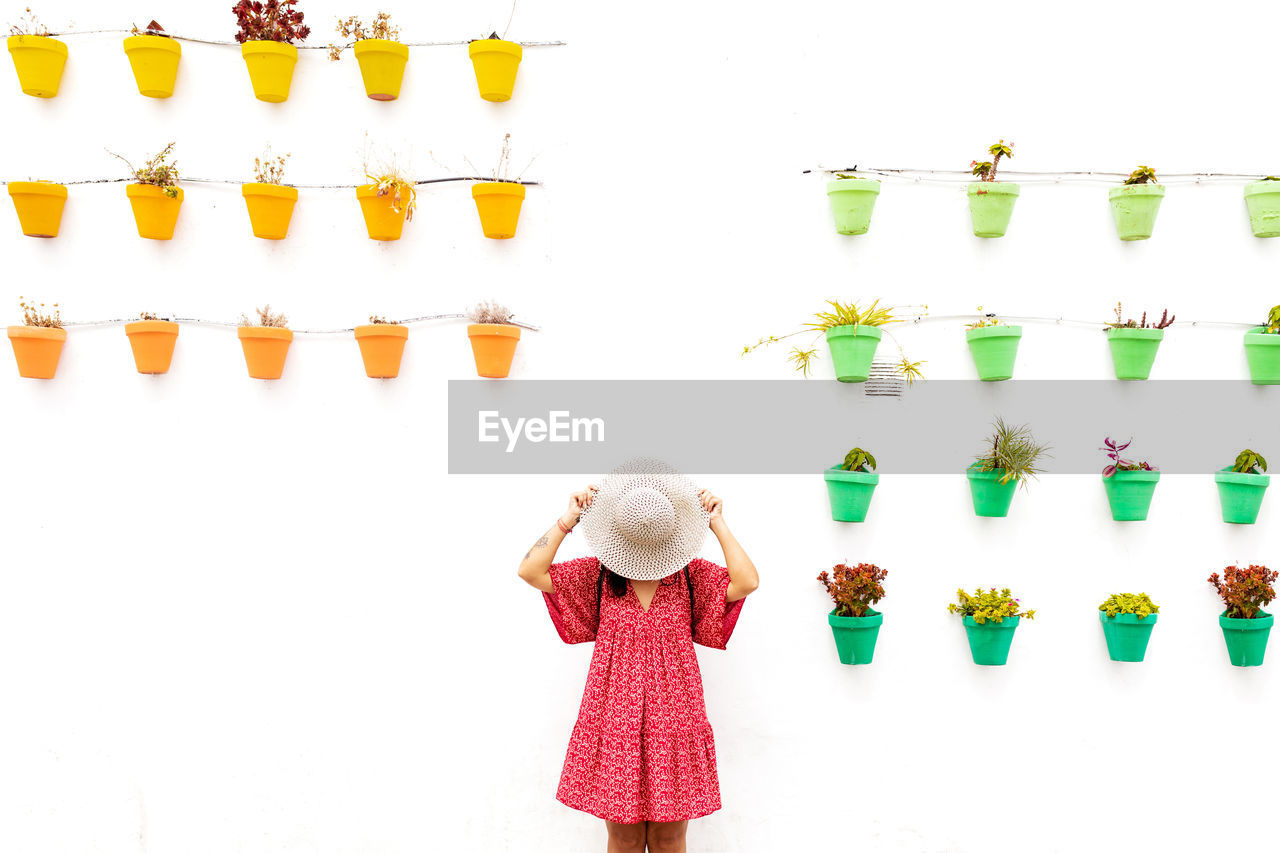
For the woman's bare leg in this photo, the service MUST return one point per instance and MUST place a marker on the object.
(667, 837)
(626, 837)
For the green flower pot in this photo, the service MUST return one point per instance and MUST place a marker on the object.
(856, 635)
(1246, 638)
(994, 350)
(991, 207)
(1241, 495)
(852, 200)
(850, 493)
(1130, 493)
(852, 348)
(1127, 635)
(991, 498)
(1134, 207)
(1263, 352)
(1134, 351)
(989, 642)
(1263, 200)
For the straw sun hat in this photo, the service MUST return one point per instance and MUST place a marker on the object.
(646, 521)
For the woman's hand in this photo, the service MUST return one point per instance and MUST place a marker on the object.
(743, 577)
(713, 505)
(578, 502)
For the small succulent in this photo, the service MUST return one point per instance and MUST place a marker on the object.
(1249, 462)
(1121, 323)
(1273, 321)
(986, 170)
(1141, 175)
(859, 460)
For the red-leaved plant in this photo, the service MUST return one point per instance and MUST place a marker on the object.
(1245, 591)
(1113, 450)
(273, 20)
(854, 588)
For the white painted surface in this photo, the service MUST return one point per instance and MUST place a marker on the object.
(260, 617)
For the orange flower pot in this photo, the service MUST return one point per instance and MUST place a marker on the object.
(493, 345)
(270, 209)
(265, 349)
(153, 342)
(37, 350)
(39, 205)
(380, 216)
(155, 213)
(381, 347)
(499, 205)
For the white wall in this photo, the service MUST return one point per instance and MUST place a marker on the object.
(260, 617)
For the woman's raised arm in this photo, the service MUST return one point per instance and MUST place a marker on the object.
(535, 568)
(743, 577)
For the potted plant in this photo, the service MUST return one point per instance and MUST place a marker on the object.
(381, 347)
(1245, 627)
(1262, 349)
(156, 197)
(1134, 343)
(1135, 203)
(38, 58)
(991, 201)
(39, 205)
(853, 332)
(496, 62)
(153, 56)
(1242, 486)
(855, 626)
(1127, 620)
(265, 343)
(851, 485)
(990, 618)
(1012, 458)
(267, 32)
(387, 201)
(152, 340)
(994, 346)
(269, 200)
(498, 201)
(37, 343)
(852, 198)
(1263, 200)
(493, 338)
(1129, 485)
(378, 49)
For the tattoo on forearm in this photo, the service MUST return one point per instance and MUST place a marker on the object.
(541, 543)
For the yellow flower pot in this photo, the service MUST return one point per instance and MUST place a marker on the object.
(155, 212)
(154, 60)
(37, 350)
(499, 205)
(496, 63)
(382, 67)
(39, 60)
(380, 216)
(270, 209)
(270, 66)
(39, 205)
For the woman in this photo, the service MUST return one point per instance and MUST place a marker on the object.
(642, 756)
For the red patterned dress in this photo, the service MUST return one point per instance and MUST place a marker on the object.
(642, 748)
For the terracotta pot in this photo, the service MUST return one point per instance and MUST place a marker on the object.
(381, 347)
(37, 350)
(494, 346)
(265, 349)
(152, 342)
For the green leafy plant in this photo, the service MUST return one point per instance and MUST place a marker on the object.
(1245, 591)
(1141, 175)
(157, 171)
(1272, 326)
(35, 314)
(986, 170)
(1121, 323)
(266, 319)
(986, 320)
(1139, 605)
(1013, 451)
(988, 605)
(859, 460)
(854, 588)
(1249, 462)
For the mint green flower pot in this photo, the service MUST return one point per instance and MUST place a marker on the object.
(994, 349)
(852, 349)
(991, 207)
(852, 201)
(1134, 207)
(1246, 638)
(989, 643)
(1130, 493)
(1127, 635)
(856, 635)
(1134, 351)
(1241, 495)
(1263, 200)
(991, 498)
(1263, 352)
(850, 493)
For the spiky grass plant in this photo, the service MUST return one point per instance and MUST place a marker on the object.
(1014, 452)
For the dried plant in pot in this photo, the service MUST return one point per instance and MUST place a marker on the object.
(1134, 343)
(387, 201)
(1262, 349)
(852, 199)
(851, 485)
(499, 201)
(155, 196)
(39, 205)
(1242, 486)
(1013, 456)
(152, 340)
(381, 345)
(493, 338)
(1263, 201)
(991, 201)
(38, 59)
(854, 624)
(378, 49)
(265, 343)
(990, 617)
(269, 200)
(153, 56)
(1245, 626)
(266, 33)
(37, 343)
(1135, 203)
(496, 62)
(994, 347)
(1130, 484)
(1127, 620)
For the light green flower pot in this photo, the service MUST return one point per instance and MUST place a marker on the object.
(991, 498)
(1246, 638)
(1263, 352)
(852, 201)
(1127, 635)
(852, 349)
(989, 642)
(1134, 351)
(1134, 207)
(856, 635)
(1130, 494)
(1241, 495)
(1263, 200)
(991, 207)
(994, 349)
(850, 493)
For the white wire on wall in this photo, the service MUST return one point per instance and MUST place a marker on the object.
(959, 176)
(193, 321)
(230, 43)
(238, 182)
(1063, 321)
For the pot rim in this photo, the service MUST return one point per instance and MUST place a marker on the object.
(270, 190)
(380, 46)
(501, 330)
(1226, 475)
(1141, 334)
(1137, 476)
(150, 41)
(837, 474)
(871, 620)
(1008, 622)
(1136, 189)
(151, 327)
(861, 185)
(973, 473)
(40, 43)
(281, 48)
(1257, 623)
(994, 188)
(994, 332)
(510, 48)
(861, 330)
(38, 332)
(480, 188)
(1260, 338)
(382, 330)
(149, 190)
(264, 332)
(37, 188)
(1130, 618)
(1261, 188)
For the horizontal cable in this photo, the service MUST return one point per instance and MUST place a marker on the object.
(955, 176)
(1062, 321)
(193, 321)
(299, 46)
(417, 183)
